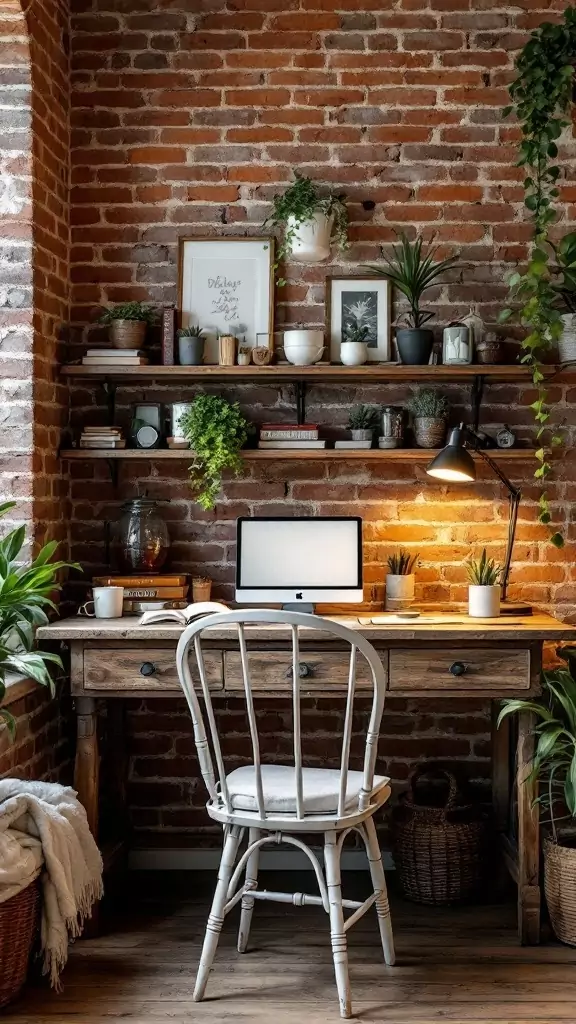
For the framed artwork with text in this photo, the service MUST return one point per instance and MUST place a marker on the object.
(226, 285)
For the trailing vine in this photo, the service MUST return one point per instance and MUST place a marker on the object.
(541, 97)
(217, 431)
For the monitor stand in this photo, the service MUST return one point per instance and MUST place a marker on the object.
(301, 606)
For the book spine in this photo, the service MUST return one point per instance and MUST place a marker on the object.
(160, 593)
(289, 435)
(141, 581)
(168, 316)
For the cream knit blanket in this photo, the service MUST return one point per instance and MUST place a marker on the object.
(43, 828)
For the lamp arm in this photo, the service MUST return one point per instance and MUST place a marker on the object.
(514, 497)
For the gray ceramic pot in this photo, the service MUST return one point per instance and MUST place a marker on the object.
(414, 345)
(190, 350)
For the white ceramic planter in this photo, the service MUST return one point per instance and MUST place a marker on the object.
(303, 347)
(311, 238)
(399, 592)
(567, 340)
(354, 353)
(484, 602)
(362, 435)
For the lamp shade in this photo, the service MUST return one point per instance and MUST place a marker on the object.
(454, 462)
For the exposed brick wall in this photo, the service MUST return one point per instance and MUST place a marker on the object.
(186, 121)
(34, 307)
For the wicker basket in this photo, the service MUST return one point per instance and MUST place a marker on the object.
(560, 887)
(429, 431)
(19, 918)
(439, 850)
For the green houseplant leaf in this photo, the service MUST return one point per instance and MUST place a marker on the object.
(413, 273)
(216, 430)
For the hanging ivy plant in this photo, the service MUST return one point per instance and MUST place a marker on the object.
(541, 97)
(216, 430)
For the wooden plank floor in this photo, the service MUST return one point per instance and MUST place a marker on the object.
(457, 965)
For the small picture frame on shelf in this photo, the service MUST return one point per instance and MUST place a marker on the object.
(358, 308)
(227, 286)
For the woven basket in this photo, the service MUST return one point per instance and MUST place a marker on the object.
(19, 918)
(429, 431)
(560, 888)
(439, 850)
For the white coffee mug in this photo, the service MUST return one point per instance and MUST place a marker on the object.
(107, 603)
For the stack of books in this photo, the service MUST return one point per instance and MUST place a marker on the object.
(148, 593)
(102, 437)
(283, 435)
(111, 357)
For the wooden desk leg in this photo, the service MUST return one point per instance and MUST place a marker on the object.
(86, 778)
(500, 770)
(528, 837)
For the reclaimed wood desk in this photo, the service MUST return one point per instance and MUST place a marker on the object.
(457, 658)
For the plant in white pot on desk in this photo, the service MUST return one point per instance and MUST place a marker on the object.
(312, 222)
(554, 767)
(484, 575)
(400, 581)
(413, 272)
(362, 422)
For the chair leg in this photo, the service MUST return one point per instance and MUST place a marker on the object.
(337, 933)
(247, 900)
(216, 916)
(379, 883)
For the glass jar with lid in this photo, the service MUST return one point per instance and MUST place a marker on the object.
(142, 541)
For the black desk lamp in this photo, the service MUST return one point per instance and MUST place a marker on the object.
(454, 463)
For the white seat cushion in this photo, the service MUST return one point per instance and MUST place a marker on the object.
(320, 787)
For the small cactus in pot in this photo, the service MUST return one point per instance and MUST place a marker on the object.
(191, 342)
(362, 422)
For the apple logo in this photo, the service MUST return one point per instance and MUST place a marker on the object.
(298, 597)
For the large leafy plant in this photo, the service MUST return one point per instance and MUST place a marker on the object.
(413, 271)
(216, 431)
(25, 594)
(555, 715)
(541, 95)
(298, 204)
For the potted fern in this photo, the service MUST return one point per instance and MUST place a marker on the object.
(414, 272)
(554, 766)
(362, 422)
(484, 576)
(429, 410)
(400, 581)
(127, 323)
(191, 341)
(311, 222)
(26, 590)
(216, 431)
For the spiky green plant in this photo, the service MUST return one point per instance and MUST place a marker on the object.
(402, 563)
(427, 402)
(193, 331)
(355, 332)
(25, 593)
(413, 272)
(130, 311)
(216, 430)
(483, 571)
(555, 731)
(363, 417)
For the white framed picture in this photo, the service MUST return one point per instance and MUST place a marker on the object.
(226, 285)
(359, 304)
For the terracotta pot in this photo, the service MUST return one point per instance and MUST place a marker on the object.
(127, 333)
(429, 431)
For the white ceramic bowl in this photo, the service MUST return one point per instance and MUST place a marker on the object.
(303, 347)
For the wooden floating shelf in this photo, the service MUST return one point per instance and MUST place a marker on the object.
(380, 373)
(284, 454)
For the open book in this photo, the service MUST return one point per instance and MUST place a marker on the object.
(182, 616)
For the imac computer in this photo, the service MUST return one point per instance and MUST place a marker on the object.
(297, 561)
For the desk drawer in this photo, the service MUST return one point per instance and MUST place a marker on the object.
(459, 669)
(272, 670)
(143, 668)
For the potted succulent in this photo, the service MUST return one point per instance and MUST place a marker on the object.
(216, 431)
(362, 422)
(429, 409)
(354, 348)
(311, 222)
(413, 272)
(127, 323)
(400, 581)
(484, 576)
(554, 716)
(191, 341)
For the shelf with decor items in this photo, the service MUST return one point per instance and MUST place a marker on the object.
(276, 455)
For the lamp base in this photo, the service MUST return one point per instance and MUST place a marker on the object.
(515, 608)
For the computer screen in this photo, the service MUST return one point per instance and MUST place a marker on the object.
(299, 559)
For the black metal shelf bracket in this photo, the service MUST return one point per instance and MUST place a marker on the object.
(300, 395)
(109, 389)
(113, 469)
(476, 396)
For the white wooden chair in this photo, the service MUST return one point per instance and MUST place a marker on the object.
(276, 802)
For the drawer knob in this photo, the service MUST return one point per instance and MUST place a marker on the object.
(458, 668)
(304, 670)
(147, 668)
